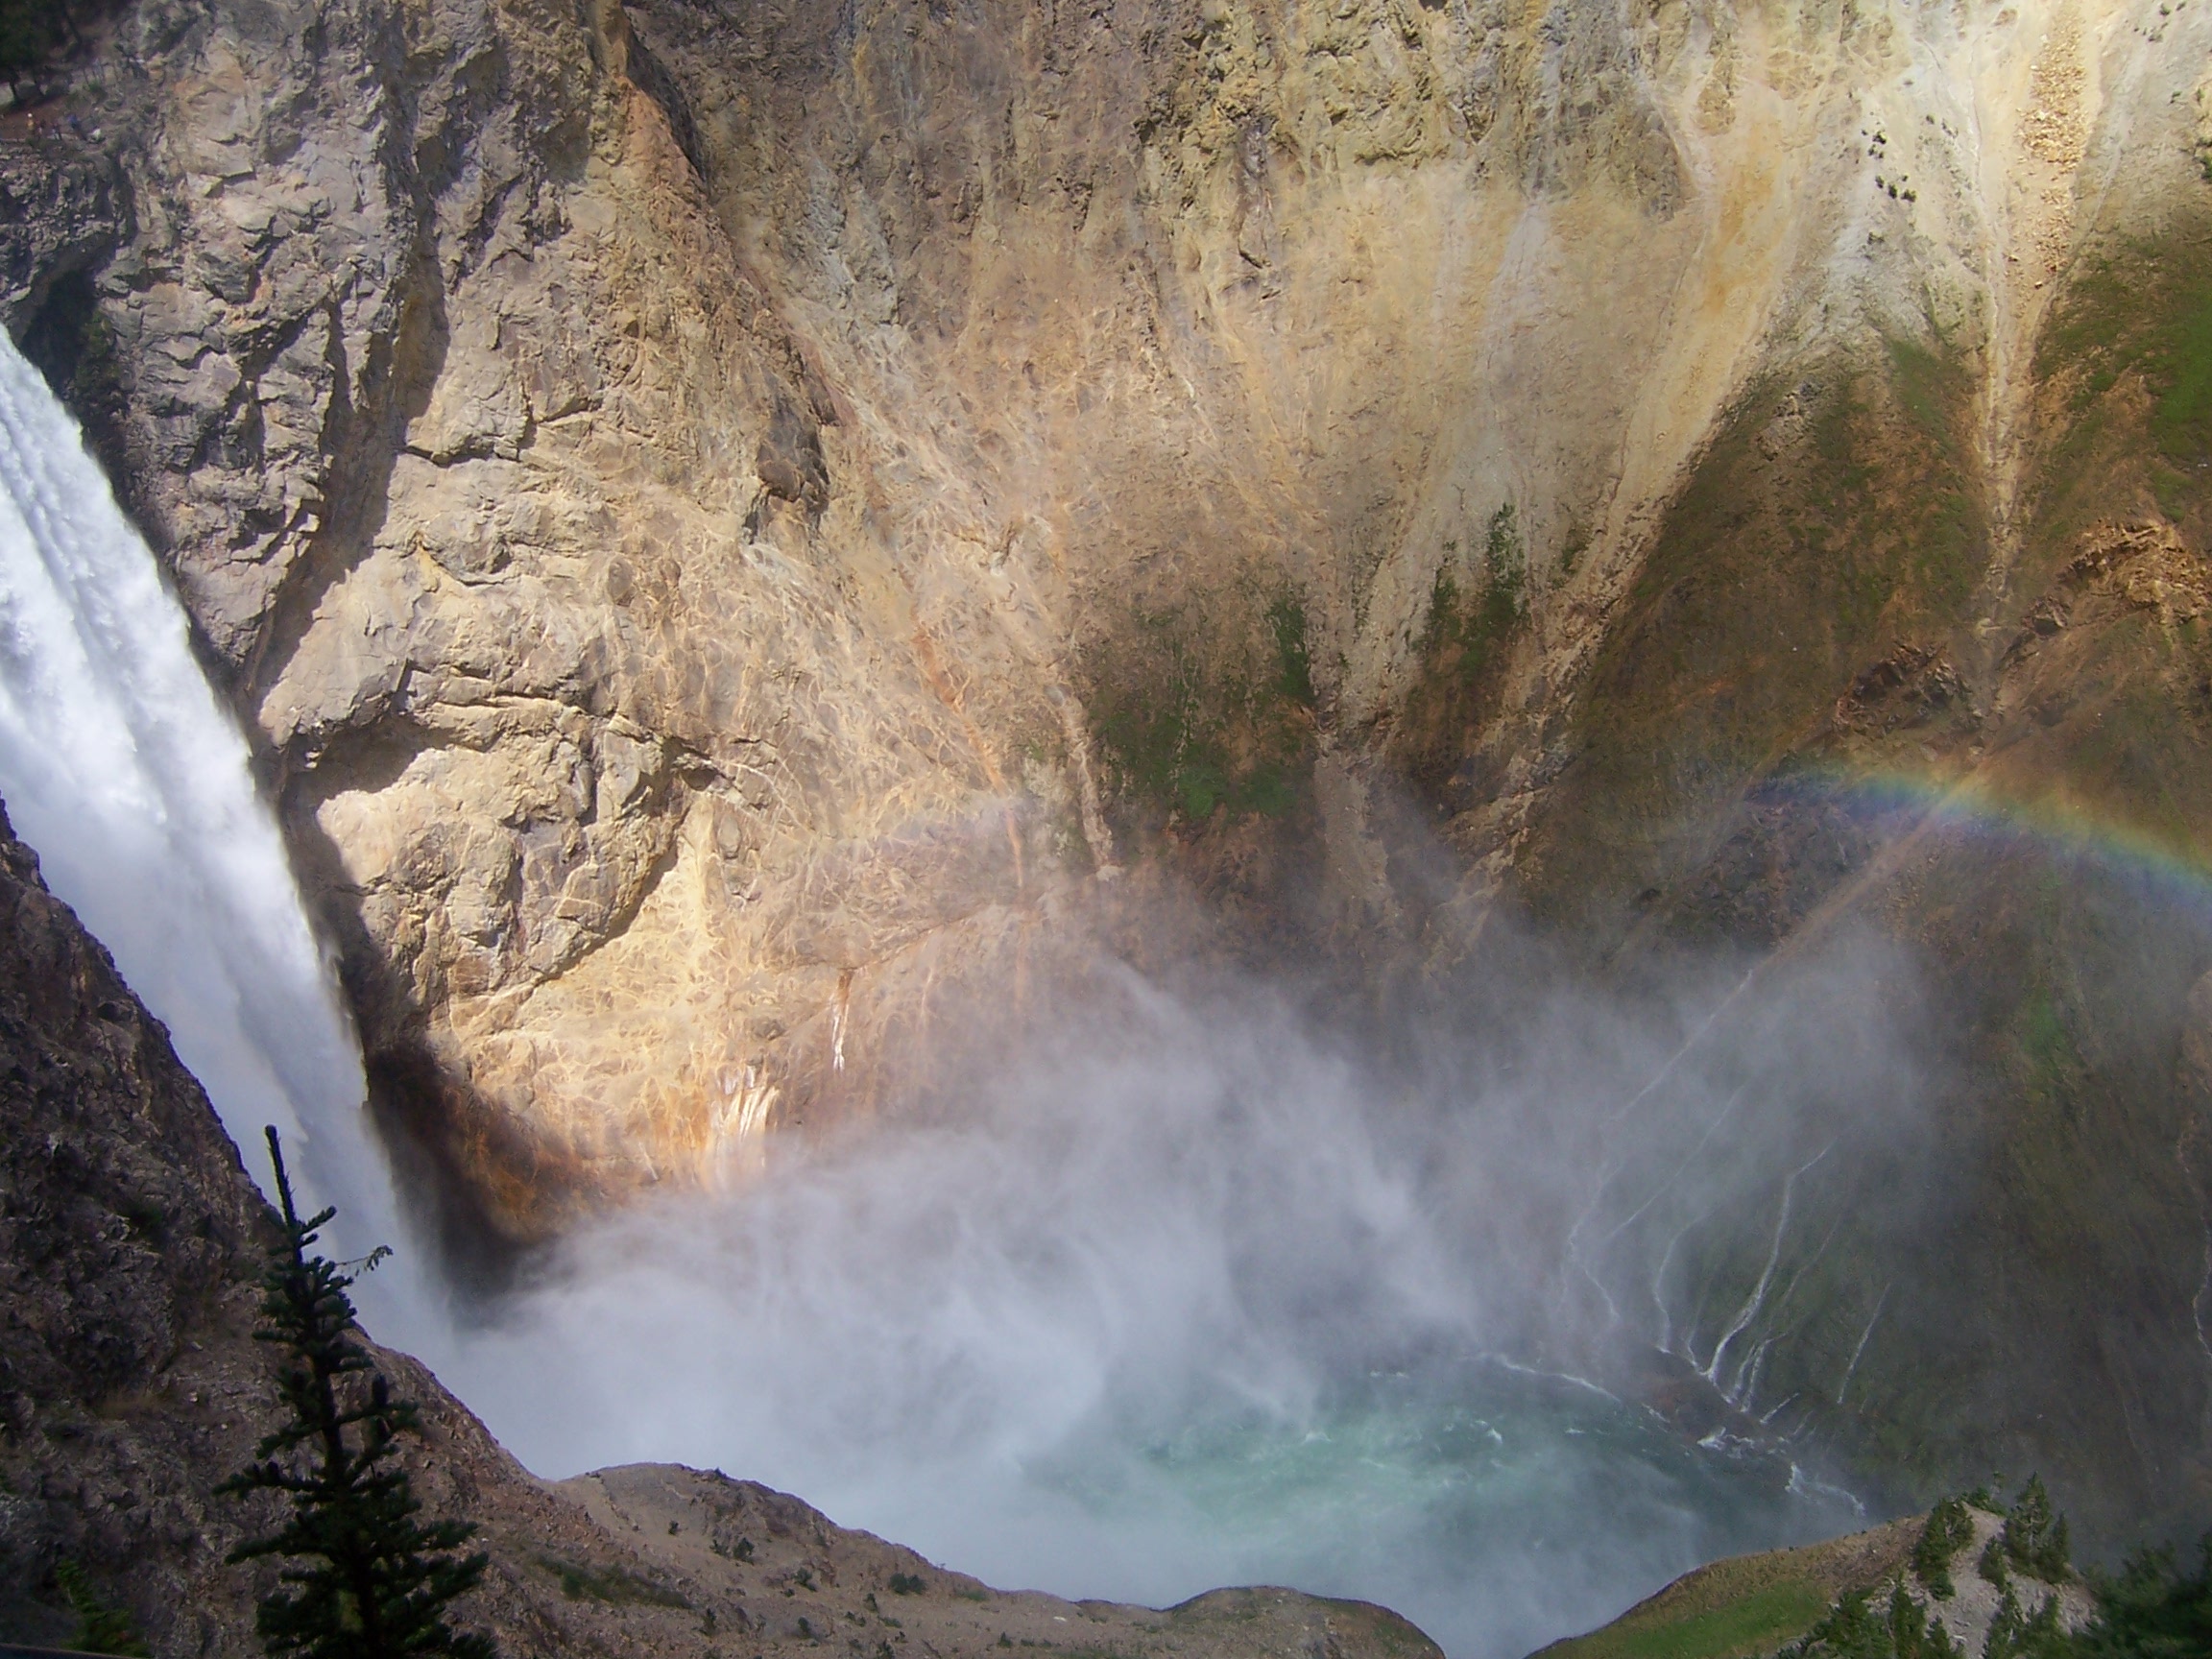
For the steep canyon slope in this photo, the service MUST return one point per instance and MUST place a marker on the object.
(130, 1383)
(736, 522)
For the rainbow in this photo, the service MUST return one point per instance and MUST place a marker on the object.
(1972, 806)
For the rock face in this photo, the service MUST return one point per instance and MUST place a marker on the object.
(809, 1581)
(731, 518)
(699, 500)
(130, 1383)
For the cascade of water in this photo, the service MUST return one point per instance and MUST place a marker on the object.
(120, 767)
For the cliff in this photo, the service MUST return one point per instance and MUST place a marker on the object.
(732, 521)
(130, 1382)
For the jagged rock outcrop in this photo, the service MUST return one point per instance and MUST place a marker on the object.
(130, 1255)
(493, 481)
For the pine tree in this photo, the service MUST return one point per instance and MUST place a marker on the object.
(1915, 1632)
(365, 1579)
(2034, 1535)
(1991, 1564)
(2014, 1634)
(2154, 1610)
(99, 1628)
(32, 31)
(1950, 1528)
(1850, 1630)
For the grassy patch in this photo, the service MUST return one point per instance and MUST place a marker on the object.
(1833, 518)
(1759, 1624)
(611, 1585)
(1466, 642)
(1198, 715)
(1933, 389)
(1749, 1604)
(2183, 367)
(2126, 364)
(1293, 656)
(2047, 1049)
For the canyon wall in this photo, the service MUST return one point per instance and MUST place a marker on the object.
(739, 525)
(131, 1246)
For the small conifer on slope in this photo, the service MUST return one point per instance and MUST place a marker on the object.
(364, 1579)
(1950, 1528)
(2034, 1535)
(2152, 1610)
(1854, 1629)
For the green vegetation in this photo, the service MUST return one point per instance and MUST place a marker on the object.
(2152, 1610)
(1931, 387)
(1745, 1606)
(1476, 632)
(613, 1585)
(101, 1628)
(1751, 1625)
(1789, 1603)
(1570, 555)
(908, 1584)
(2131, 347)
(1950, 1529)
(1833, 515)
(1913, 1633)
(364, 1579)
(32, 31)
(1993, 1564)
(2047, 1047)
(1196, 721)
(2034, 1535)
(1293, 659)
(1852, 1631)
(2017, 1635)
(2182, 421)
(1466, 641)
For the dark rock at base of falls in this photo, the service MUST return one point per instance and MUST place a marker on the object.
(129, 1385)
(126, 1232)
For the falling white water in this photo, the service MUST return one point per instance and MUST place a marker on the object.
(119, 766)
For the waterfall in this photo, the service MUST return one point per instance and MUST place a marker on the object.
(1188, 1298)
(118, 764)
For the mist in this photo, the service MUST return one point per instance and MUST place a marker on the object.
(1195, 1289)
(1501, 1303)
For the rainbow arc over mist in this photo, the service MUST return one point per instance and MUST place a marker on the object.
(2059, 826)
